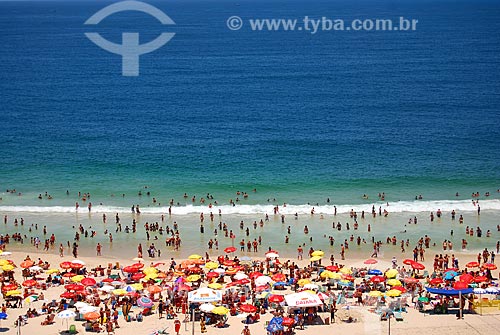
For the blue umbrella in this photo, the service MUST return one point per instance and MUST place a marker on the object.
(3, 316)
(275, 325)
(450, 275)
(279, 283)
(375, 272)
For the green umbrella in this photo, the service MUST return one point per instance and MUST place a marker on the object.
(423, 299)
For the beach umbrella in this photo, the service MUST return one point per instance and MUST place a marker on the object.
(479, 290)
(74, 287)
(184, 287)
(4, 262)
(375, 272)
(410, 280)
(26, 264)
(325, 274)
(399, 288)
(65, 265)
(314, 258)
(276, 298)
(303, 282)
(12, 293)
(375, 294)
(150, 270)
(370, 261)
(345, 270)
(80, 304)
(193, 278)
(392, 273)
(8, 267)
(215, 286)
(78, 261)
(119, 291)
(408, 261)
(207, 308)
(66, 315)
(450, 275)
(393, 293)
(68, 295)
(377, 279)
(240, 275)
(91, 316)
(263, 280)
(229, 250)
(154, 289)
(318, 253)
(220, 310)
(35, 268)
(69, 274)
(242, 281)
(138, 276)
(144, 302)
(9, 287)
(211, 265)
(394, 282)
(311, 286)
(255, 274)
(489, 266)
(278, 277)
(88, 281)
(212, 275)
(77, 278)
(273, 255)
(417, 266)
(480, 279)
(460, 285)
(333, 268)
(195, 256)
(492, 290)
(31, 298)
(106, 288)
(436, 281)
(287, 322)
(52, 271)
(130, 269)
(219, 270)
(229, 262)
(466, 278)
(348, 277)
(423, 299)
(138, 265)
(29, 283)
(472, 265)
(88, 309)
(247, 308)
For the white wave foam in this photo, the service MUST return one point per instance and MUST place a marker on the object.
(394, 207)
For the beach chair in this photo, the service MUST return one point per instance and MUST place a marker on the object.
(398, 316)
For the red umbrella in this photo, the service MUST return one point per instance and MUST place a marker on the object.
(472, 265)
(333, 268)
(109, 280)
(377, 279)
(69, 274)
(9, 287)
(247, 308)
(138, 276)
(212, 274)
(278, 277)
(131, 269)
(65, 265)
(76, 266)
(255, 274)
(158, 264)
(451, 269)
(480, 279)
(489, 266)
(138, 265)
(408, 261)
(288, 322)
(91, 316)
(460, 285)
(68, 295)
(229, 250)
(348, 277)
(276, 298)
(436, 281)
(74, 287)
(371, 261)
(184, 287)
(88, 281)
(243, 281)
(399, 288)
(29, 283)
(466, 278)
(417, 266)
(411, 280)
(228, 262)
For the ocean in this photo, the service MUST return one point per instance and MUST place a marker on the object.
(299, 117)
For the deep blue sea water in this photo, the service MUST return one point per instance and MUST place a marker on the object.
(299, 117)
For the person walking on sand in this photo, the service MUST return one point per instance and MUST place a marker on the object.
(177, 326)
(245, 331)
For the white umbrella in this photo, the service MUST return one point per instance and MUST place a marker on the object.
(81, 304)
(240, 275)
(66, 315)
(262, 280)
(207, 308)
(106, 288)
(35, 268)
(77, 261)
(479, 290)
(88, 309)
(492, 290)
(219, 270)
(204, 294)
(272, 255)
(311, 286)
(6, 253)
(303, 299)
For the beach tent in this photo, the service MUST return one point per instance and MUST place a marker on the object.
(303, 299)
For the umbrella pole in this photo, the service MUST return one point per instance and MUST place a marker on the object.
(460, 304)
(192, 331)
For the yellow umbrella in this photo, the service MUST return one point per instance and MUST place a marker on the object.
(346, 271)
(137, 286)
(119, 291)
(4, 262)
(220, 310)
(393, 293)
(12, 292)
(51, 271)
(326, 274)
(193, 278)
(150, 276)
(318, 253)
(215, 286)
(77, 278)
(309, 291)
(375, 294)
(211, 265)
(8, 267)
(150, 270)
(335, 276)
(314, 258)
(195, 256)
(303, 282)
(392, 273)
(393, 282)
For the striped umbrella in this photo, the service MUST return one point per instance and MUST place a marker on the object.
(144, 302)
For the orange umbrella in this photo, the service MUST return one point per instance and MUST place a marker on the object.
(26, 264)
(91, 316)
(154, 289)
(29, 283)
(489, 266)
(278, 277)
(65, 265)
(472, 265)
